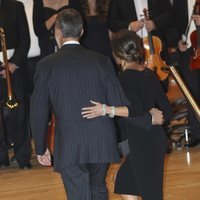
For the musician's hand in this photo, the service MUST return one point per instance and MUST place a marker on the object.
(196, 19)
(3, 73)
(150, 25)
(45, 159)
(135, 26)
(157, 116)
(92, 111)
(12, 68)
(182, 46)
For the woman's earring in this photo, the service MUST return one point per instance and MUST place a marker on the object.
(124, 66)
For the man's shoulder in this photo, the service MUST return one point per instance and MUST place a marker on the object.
(15, 2)
(15, 5)
(83, 53)
(47, 59)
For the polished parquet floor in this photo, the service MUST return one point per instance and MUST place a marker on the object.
(181, 181)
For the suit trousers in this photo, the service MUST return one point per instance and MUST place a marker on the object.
(86, 181)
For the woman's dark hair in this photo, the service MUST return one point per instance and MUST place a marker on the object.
(127, 45)
(70, 22)
(101, 9)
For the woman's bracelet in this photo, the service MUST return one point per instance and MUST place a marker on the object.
(112, 113)
(103, 109)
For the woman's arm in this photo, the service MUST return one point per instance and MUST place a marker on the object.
(99, 109)
(50, 22)
(41, 26)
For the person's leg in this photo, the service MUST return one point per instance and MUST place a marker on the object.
(97, 181)
(76, 182)
(18, 129)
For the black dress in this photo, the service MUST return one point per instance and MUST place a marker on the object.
(142, 172)
(96, 36)
(46, 38)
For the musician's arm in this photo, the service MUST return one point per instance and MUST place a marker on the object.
(164, 19)
(114, 19)
(22, 48)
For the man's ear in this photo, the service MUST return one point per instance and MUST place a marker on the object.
(82, 31)
(58, 37)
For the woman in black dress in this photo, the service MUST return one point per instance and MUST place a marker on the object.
(142, 172)
(96, 33)
(44, 16)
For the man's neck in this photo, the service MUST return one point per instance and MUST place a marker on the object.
(69, 39)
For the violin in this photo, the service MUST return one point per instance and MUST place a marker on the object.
(195, 41)
(152, 49)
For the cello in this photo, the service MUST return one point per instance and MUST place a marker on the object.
(152, 48)
(195, 41)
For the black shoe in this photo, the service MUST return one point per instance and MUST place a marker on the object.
(21, 164)
(26, 165)
(193, 142)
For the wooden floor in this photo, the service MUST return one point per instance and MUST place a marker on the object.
(181, 182)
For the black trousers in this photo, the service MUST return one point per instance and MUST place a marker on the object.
(15, 122)
(86, 181)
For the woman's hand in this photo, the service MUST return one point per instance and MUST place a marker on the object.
(51, 21)
(96, 110)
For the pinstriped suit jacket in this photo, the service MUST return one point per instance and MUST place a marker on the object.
(65, 82)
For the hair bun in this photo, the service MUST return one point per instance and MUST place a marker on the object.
(132, 53)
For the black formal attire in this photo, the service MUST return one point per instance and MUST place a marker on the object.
(121, 13)
(180, 11)
(65, 82)
(40, 15)
(142, 172)
(96, 36)
(17, 38)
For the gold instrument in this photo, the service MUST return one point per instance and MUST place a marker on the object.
(185, 90)
(11, 102)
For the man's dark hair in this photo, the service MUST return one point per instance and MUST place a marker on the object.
(70, 22)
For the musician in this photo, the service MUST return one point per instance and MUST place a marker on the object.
(34, 51)
(128, 14)
(182, 11)
(13, 21)
(44, 16)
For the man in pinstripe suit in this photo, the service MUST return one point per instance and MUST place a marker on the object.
(65, 82)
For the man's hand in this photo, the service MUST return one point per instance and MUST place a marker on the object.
(182, 46)
(12, 68)
(45, 159)
(157, 116)
(150, 26)
(196, 19)
(135, 26)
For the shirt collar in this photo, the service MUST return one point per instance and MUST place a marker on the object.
(71, 42)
